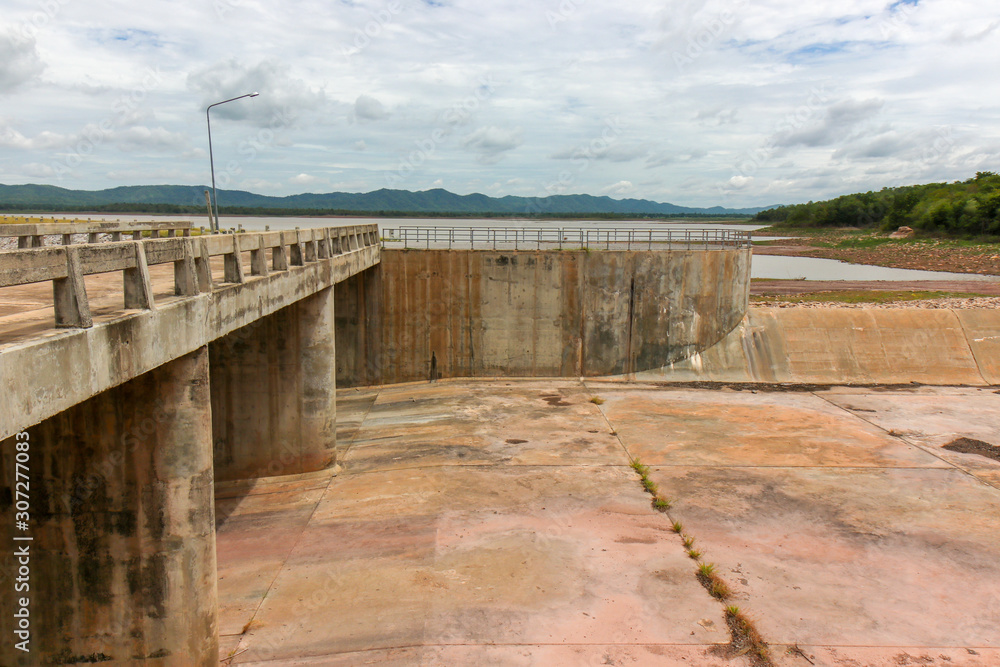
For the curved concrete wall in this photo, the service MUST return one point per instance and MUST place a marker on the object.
(448, 313)
(850, 346)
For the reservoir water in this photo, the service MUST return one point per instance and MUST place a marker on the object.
(771, 267)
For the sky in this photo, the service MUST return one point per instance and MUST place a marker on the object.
(734, 103)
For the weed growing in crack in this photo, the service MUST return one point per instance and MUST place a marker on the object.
(687, 541)
(745, 639)
(597, 400)
(677, 527)
(662, 504)
(641, 469)
(712, 582)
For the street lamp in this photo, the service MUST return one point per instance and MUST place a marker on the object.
(211, 161)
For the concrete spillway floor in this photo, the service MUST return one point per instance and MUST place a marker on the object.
(498, 523)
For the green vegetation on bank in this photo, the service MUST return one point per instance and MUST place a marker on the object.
(963, 208)
(859, 296)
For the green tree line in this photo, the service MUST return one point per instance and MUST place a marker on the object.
(963, 208)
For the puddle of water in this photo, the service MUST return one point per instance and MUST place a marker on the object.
(777, 267)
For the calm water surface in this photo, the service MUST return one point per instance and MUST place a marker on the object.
(764, 266)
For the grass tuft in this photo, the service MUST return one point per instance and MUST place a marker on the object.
(745, 639)
(694, 554)
(687, 541)
(639, 468)
(597, 400)
(677, 527)
(650, 485)
(662, 504)
(712, 582)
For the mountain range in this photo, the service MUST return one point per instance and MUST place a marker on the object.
(438, 201)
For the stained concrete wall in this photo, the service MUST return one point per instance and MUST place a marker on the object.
(850, 346)
(358, 326)
(274, 393)
(122, 564)
(448, 313)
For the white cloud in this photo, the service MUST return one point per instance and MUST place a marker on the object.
(282, 98)
(527, 96)
(490, 143)
(367, 107)
(619, 188)
(19, 60)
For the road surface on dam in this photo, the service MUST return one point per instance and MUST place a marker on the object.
(500, 523)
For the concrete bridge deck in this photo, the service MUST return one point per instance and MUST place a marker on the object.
(47, 366)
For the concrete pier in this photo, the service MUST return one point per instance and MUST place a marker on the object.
(274, 393)
(122, 560)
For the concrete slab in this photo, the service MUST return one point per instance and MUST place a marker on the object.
(497, 555)
(522, 656)
(704, 428)
(491, 423)
(856, 545)
(929, 422)
(849, 346)
(982, 330)
(826, 656)
(254, 536)
(851, 557)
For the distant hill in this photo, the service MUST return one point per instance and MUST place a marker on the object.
(962, 208)
(183, 198)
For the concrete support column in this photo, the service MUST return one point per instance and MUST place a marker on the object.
(359, 347)
(274, 393)
(122, 562)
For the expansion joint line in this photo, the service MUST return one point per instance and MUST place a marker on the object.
(240, 649)
(745, 639)
(894, 434)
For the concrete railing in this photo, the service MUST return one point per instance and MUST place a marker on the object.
(527, 238)
(31, 235)
(66, 266)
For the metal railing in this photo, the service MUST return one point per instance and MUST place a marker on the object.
(66, 266)
(527, 238)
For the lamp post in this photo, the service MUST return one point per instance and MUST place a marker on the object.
(211, 160)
